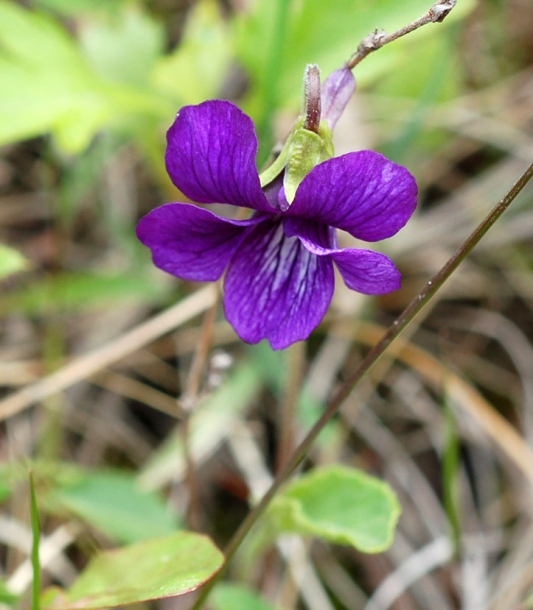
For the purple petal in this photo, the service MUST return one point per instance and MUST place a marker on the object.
(190, 242)
(211, 150)
(362, 270)
(337, 90)
(275, 288)
(366, 271)
(363, 193)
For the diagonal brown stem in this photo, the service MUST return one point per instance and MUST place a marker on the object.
(374, 41)
(366, 364)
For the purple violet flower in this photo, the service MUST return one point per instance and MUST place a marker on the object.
(280, 280)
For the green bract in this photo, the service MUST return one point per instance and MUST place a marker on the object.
(302, 151)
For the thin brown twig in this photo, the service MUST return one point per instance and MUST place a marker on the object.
(288, 405)
(189, 402)
(377, 39)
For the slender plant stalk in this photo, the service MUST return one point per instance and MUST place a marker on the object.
(189, 401)
(450, 474)
(429, 290)
(36, 538)
(377, 39)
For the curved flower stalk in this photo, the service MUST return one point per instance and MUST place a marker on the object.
(279, 280)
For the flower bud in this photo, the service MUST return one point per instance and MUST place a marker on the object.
(337, 90)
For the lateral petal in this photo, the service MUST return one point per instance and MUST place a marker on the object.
(362, 270)
(362, 192)
(190, 242)
(366, 271)
(275, 288)
(210, 156)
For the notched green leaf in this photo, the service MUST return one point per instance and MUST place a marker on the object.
(341, 505)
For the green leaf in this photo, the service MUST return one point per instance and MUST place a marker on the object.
(339, 504)
(227, 596)
(75, 291)
(11, 261)
(125, 49)
(45, 84)
(6, 597)
(75, 7)
(112, 502)
(5, 490)
(154, 569)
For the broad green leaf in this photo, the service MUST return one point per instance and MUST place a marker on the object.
(45, 83)
(112, 502)
(227, 596)
(339, 504)
(11, 261)
(125, 48)
(80, 291)
(153, 569)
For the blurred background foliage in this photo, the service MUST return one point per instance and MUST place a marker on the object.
(87, 91)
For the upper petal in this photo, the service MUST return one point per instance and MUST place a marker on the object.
(210, 156)
(362, 192)
(190, 242)
(362, 270)
(275, 288)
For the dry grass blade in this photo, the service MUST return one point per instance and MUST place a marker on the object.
(85, 366)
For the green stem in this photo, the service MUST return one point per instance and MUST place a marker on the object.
(450, 475)
(365, 365)
(36, 532)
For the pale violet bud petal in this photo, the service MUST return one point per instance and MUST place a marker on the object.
(337, 90)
